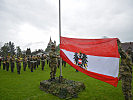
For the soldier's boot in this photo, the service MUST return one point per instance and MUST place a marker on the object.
(11, 69)
(42, 68)
(126, 97)
(53, 78)
(3, 67)
(50, 80)
(18, 72)
(130, 98)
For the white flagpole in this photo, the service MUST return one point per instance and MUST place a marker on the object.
(59, 38)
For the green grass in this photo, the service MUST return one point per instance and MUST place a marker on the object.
(26, 85)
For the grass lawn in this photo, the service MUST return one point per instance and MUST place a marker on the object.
(26, 85)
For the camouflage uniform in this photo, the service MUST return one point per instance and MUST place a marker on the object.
(38, 61)
(31, 64)
(43, 62)
(53, 62)
(28, 61)
(125, 73)
(18, 61)
(7, 63)
(59, 62)
(24, 63)
(35, 62)
(4, 63)
(12, 60)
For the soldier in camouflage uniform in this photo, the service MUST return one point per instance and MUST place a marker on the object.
(31, 63)
(38, 61)
(34, 62)
(53, 62)
(24, 63)
(18, 62)
(28, 61)
(43, 61)
(4, 63)
(12, 60)
(7, 63)
(125, 73)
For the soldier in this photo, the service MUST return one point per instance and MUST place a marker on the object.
(125, 73)
(43, 61)
(33, 58)
(53, 62)
(7, 63)
(31, 63)
(38, 61)
(12, 60)
(24, 63)
(35, 61)
(4, 63)
(18, 62)
(28, 61)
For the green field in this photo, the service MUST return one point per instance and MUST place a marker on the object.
(26, 85)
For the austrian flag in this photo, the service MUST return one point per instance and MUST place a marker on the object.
(97, 58)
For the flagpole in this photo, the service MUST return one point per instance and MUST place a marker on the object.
(60, 78)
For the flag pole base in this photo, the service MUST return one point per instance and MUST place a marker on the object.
(67, 89)
(60, 79)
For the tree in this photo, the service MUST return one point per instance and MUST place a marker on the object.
(11, 48)
(5, 50)
(8, 49)
(19, 52)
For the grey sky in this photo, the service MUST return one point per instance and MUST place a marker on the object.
(30, 23)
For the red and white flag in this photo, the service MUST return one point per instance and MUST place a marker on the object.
(97, 58)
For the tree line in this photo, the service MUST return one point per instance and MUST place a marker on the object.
(9, 49)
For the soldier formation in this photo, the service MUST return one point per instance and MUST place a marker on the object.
(22, 63)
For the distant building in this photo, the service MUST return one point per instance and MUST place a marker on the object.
(28, 51)
(49, 45)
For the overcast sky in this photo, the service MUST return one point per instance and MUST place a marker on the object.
(30, 23)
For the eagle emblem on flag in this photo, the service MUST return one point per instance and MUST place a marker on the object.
(80, 59)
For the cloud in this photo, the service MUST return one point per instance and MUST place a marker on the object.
(31, 21)
(99, 18)
(35, 45)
